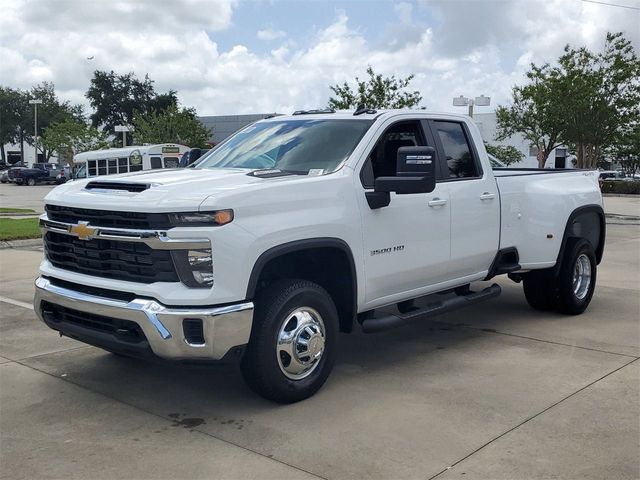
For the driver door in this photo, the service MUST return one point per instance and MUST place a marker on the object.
(407, 243)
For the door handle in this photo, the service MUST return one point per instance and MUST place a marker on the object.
(487, 196)
(437, 202)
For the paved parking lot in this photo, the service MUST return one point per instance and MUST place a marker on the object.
(499, 391)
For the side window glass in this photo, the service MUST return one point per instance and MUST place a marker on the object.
(459, 159)
(383, 158)
(102, 167)
(92, 168)
(113, 166)
(156, 162)
(123, 165)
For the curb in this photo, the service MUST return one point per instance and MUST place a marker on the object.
(623, 195)
(29, 242)
(32, 214)
(615, 219)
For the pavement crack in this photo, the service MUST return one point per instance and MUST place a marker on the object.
(527, 420)
(490, 330)
(170, 420)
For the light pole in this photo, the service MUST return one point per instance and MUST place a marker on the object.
(35, 103)
(124, 129)
(463, 101)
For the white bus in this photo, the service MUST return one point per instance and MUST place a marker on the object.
(129, 159)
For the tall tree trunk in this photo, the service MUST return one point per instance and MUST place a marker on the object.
(542, 157)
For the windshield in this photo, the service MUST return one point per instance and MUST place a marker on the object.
(289, 145)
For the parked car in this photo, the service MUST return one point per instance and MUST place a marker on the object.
(299, 227)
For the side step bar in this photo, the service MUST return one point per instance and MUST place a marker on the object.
(379, 324)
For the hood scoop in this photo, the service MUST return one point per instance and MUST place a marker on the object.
(117, 186)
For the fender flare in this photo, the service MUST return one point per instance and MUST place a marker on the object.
(597, 209)
(300, 245)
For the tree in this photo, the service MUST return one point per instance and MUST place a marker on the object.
(507, 154)
(584, 101)
(116, 99)
(626, 149)
(51, 111)
(172, 125)
(535, 113)
(602, 92)
(10, 117)
(376, 92)
(72, 136)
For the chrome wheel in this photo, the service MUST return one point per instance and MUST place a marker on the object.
(581, 276)
(301, 343)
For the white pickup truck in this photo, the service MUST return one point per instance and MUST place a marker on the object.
(300, 227)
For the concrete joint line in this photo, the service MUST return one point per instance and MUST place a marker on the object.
(531, 418)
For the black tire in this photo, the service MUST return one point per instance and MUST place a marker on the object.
(540, 289)
(31, 182)
(570, 301)
(260, 365)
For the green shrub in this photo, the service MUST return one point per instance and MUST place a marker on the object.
(618, 186)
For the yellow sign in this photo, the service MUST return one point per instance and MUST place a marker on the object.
(83, 231)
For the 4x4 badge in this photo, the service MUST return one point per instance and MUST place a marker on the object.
(83, 230)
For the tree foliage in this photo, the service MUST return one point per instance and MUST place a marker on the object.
(535, 113)
(173, 125)
(376, 92)
(626, 149)
(17, 115)
(72, 136)
(585, 102)
(507, 154)
(602, 92)
(117, 99)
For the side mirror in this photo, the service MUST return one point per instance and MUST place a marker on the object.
(415, 172)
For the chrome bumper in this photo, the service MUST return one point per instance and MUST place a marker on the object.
(223, 327)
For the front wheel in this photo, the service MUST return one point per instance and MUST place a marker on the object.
(292, 347)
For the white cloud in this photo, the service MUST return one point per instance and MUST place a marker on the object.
(269, 34)
(473, 48)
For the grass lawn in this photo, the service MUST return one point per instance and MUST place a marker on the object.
(14, 229)
(16, 210)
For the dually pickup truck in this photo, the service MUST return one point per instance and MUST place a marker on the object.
(299, 227)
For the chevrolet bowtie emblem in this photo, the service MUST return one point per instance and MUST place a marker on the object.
(83, 230)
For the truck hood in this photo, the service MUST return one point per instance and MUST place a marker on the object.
(175, 190)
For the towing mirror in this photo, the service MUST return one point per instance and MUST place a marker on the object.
(415, 172)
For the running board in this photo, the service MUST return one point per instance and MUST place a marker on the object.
(380, 324)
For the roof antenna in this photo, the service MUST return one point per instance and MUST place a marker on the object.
(363, 109)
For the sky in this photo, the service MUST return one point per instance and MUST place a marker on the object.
(233, 57)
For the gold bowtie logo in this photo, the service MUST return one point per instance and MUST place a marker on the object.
(83, 230)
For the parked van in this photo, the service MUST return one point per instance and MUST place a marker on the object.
(129, 159)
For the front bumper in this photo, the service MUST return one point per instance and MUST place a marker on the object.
(223, 328)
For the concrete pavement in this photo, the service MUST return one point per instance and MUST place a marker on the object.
(497, 391)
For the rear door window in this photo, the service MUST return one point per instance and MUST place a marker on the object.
(460, 161)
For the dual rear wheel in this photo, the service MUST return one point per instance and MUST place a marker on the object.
(571, 290)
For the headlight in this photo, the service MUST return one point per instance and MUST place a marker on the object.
(195, 267)
(201, 219)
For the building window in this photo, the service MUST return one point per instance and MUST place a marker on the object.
(533, 151)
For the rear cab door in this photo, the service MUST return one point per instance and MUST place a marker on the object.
(474, 198)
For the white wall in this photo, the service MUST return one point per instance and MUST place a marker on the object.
(29, 153)
(488, 125)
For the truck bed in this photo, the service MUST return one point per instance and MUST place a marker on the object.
(535, 206)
